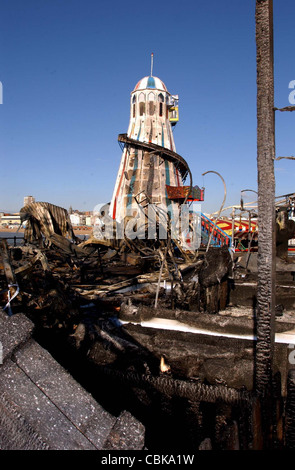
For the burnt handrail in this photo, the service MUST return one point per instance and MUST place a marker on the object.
(168, 154)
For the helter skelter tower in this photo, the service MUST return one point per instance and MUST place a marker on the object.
(151, 172)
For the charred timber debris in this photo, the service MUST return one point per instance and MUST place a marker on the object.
(152, 318)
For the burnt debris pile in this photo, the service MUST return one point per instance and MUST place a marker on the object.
(54, 279)
(146, 327)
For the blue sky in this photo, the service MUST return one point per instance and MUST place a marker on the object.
(68, 66)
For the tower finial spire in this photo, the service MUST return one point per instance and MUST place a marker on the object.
(152, 63)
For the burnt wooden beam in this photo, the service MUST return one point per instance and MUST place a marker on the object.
(266, 194)
(163, 151)
(12, 285)
(287, 158)
(196, 392)
(266, 221)
(9, 273)
(287, 108)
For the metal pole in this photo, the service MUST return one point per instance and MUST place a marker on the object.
(152, 63)
(221, 207)
(249, 233)
(249, 214)
(233, 233)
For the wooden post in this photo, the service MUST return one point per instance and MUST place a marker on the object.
(290, 412)
(9, 273)
(266, 208)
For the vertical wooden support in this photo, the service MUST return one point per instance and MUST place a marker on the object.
(9, 273)
(266, 211)
(266, 195)
(290, 412)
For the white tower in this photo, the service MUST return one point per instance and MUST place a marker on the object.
(150, 172)
(149, 162)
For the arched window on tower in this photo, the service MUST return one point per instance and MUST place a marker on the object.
(141, 109)
(151, 99)
(161, 104)
(141, 100)
(133, 106)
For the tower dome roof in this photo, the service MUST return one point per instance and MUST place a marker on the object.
(150, 83)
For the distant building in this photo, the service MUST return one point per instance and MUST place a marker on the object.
(28, 200)
(81, 218)
(88, 221)
(75, 219)
(10, 220)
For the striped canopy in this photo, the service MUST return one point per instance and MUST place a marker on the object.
(150, 82)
